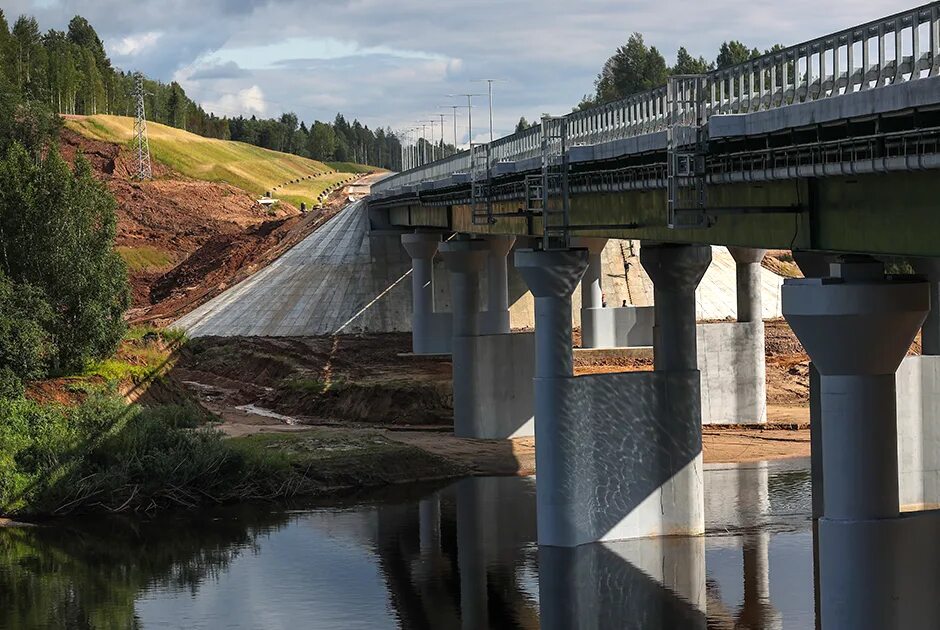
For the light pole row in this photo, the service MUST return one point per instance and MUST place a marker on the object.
(423, 151)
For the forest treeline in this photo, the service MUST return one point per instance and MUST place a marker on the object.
(70, 72)
(635, 67)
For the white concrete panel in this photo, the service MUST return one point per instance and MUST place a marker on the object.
(341, 278)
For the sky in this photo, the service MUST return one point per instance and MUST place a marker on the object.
(392, 63)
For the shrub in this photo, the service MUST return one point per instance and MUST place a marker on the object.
(25, 344)
(104, 454)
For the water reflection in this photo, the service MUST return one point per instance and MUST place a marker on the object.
(463, 556)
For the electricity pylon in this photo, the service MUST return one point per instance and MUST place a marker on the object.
(144, 170)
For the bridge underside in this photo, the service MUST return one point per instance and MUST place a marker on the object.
(891, 214)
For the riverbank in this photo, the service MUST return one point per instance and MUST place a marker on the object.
(371, 383)
(221, 420)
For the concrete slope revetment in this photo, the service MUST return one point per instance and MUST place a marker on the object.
(343, 278)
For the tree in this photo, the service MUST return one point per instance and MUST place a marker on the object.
(57, 234)
(687, 64)
(289, 122)
(734, 52)
(25, 344)
(321, 142)
(175, 106)
(633, 68)
(6, 55)
(29, 53)
(341, 151)
(522, 125)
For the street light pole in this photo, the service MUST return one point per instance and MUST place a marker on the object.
(489, 92)
(455, 108)
(469, 114)
(443, 144)
(424, 149)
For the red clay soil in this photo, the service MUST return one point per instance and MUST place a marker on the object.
(213, 234)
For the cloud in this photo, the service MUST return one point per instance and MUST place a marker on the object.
(248, 101)
(227, 70)
(134, 44)
(391, 63)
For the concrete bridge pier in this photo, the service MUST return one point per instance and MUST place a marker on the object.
(596, 331)
(430, 331)
(492, 373)
(857, 326)
(815, 265)
(675, 271)
(618, 455)
(742, 381)
(496, 316)
(747, 269)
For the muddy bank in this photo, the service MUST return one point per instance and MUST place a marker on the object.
(374, 379)
(320, 380)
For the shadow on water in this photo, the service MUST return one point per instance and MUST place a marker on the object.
(463, 556)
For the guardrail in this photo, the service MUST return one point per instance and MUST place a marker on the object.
(891, 50)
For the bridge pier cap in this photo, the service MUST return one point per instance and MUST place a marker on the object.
(421, 245)
(856, 326)
(464, 260)
(551, 273)
(856, 321)
(676, 271)
(930, 333)
(552, 276)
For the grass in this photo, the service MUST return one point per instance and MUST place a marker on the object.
(313, 385)
(144, 258)
(331, 460)
(242, 165)
(144, 352)
(308, 191)
(352, 167)
(105, 455)
(245, 166)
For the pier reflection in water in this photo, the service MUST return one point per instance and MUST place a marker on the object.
(463, 556)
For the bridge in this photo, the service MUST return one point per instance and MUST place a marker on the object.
(828, 148)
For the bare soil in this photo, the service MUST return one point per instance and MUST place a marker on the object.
(214, 235)
(366, 380)
(372, 382)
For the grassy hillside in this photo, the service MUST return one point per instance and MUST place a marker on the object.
(243, 165)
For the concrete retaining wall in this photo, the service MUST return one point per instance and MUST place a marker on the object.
(493, 393)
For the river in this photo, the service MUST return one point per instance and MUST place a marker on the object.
(462, 556)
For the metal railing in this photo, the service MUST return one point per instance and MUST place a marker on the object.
(898, 48)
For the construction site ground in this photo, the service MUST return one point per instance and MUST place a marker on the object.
(372, 383)
(188, 240)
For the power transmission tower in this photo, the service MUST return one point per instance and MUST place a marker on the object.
(144, 170)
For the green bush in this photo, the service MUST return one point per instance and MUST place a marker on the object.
(25, 344)
(104, 454)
